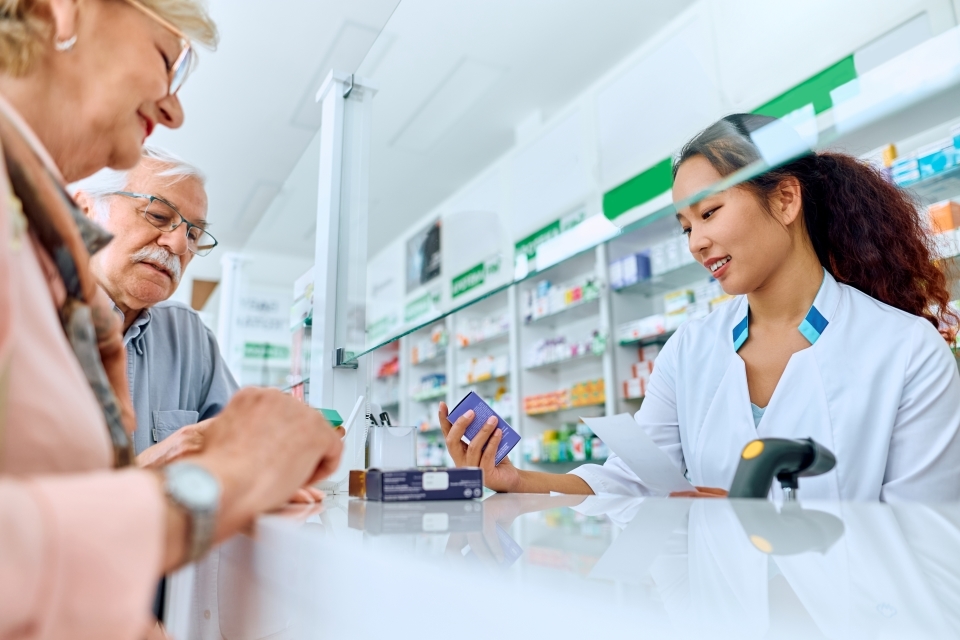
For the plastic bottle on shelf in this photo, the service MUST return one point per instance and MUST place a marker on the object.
(599, 449)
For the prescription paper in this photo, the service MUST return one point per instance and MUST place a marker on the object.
(630, 442)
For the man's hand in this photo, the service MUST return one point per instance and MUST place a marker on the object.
(184, 442)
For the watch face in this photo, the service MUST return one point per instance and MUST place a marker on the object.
(194, 486)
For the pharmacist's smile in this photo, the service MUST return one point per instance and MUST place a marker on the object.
(717, 266)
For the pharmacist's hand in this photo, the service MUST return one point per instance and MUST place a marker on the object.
(481, 452)
(701, 492)
(263, 448)
(184, 442)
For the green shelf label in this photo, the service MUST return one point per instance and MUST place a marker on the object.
(639, 189)
(419, 306)
(474, 277)
(265, 351)
(815, 89)
(530, 244)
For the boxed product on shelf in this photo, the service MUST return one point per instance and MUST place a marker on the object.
(669, 255)
(944, 216)
(936, 158)
(642, 328)
(635, 387)
(479, 329)
(546, 402)
(559, 349)
(389, 368)
(483, 368)
(430, 386)
(648, 352)
(630, 270)
(430, 347)
(588, 393)
(547, 299)
(680, 305)
(678, 300)
(571, 443)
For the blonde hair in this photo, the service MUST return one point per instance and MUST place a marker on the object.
(26, 30)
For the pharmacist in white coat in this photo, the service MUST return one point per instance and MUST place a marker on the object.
(839, 332)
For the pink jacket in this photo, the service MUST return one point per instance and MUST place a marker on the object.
(80, 545)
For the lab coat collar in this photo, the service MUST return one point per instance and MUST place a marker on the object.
(813, 325)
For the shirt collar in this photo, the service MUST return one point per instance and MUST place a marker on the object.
(814, 324)
(138, 327)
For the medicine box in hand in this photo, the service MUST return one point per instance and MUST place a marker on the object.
(482, 413)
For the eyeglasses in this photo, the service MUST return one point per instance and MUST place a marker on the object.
(181, 68)
(163, 215)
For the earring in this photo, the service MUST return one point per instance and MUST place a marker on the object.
(64, 45)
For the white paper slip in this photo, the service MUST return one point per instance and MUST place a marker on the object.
(630, 442)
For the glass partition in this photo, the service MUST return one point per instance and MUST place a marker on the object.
(464, 207)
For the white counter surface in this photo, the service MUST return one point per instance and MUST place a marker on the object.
(525, 566)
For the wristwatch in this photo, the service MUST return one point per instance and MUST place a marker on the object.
(197, 492)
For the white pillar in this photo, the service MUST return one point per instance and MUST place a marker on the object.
(231, 288)
(339, 314)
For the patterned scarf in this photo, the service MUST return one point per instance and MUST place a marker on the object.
(91, 326)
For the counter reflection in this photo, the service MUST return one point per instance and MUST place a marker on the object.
(524, 565)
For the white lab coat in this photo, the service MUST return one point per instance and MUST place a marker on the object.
(878, 387)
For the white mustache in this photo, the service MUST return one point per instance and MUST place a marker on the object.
(160, 256)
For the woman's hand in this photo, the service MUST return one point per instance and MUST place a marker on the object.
(701, 492)
(263, 448)
(481, 452)
(185, 441)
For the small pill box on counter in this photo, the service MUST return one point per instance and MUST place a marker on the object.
(408, 485)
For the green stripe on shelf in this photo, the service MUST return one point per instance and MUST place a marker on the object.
(638, 190)
(815, 89)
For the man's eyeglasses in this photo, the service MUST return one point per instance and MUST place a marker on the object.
(182, 66)
(163, 215)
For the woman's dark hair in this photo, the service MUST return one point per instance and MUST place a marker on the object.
(865, 230)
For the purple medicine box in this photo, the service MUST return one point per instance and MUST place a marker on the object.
(482, 412)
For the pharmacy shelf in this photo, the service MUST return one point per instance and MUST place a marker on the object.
(942, 186)
(658, 339)
(563, 409)
(498, 377)
(497, 338)
(440, 357)
(569, 313)
(665, 282)
(427, 396)
(556, 363)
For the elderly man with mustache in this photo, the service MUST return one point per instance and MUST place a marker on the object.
(157, 214)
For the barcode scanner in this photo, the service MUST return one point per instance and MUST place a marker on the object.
(784, 459)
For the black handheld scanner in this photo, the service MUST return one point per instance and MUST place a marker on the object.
(786, 460)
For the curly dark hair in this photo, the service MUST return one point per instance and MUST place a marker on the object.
(865, 230)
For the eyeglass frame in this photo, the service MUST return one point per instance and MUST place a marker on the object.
(186, 53)
(151, 199)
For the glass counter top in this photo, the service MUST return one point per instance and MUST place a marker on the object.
(526, 566)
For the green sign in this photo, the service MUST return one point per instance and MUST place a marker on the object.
(474, 277)
(381, 326)
(815, 90)
(420, 306)
(639, 189)
(533, 241)
(265, 351)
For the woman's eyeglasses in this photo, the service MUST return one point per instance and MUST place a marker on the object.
(182, 66)
(166, 217)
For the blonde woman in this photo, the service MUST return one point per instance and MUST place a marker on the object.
(82, 84)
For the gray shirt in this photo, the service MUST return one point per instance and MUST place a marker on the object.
(176, 373)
